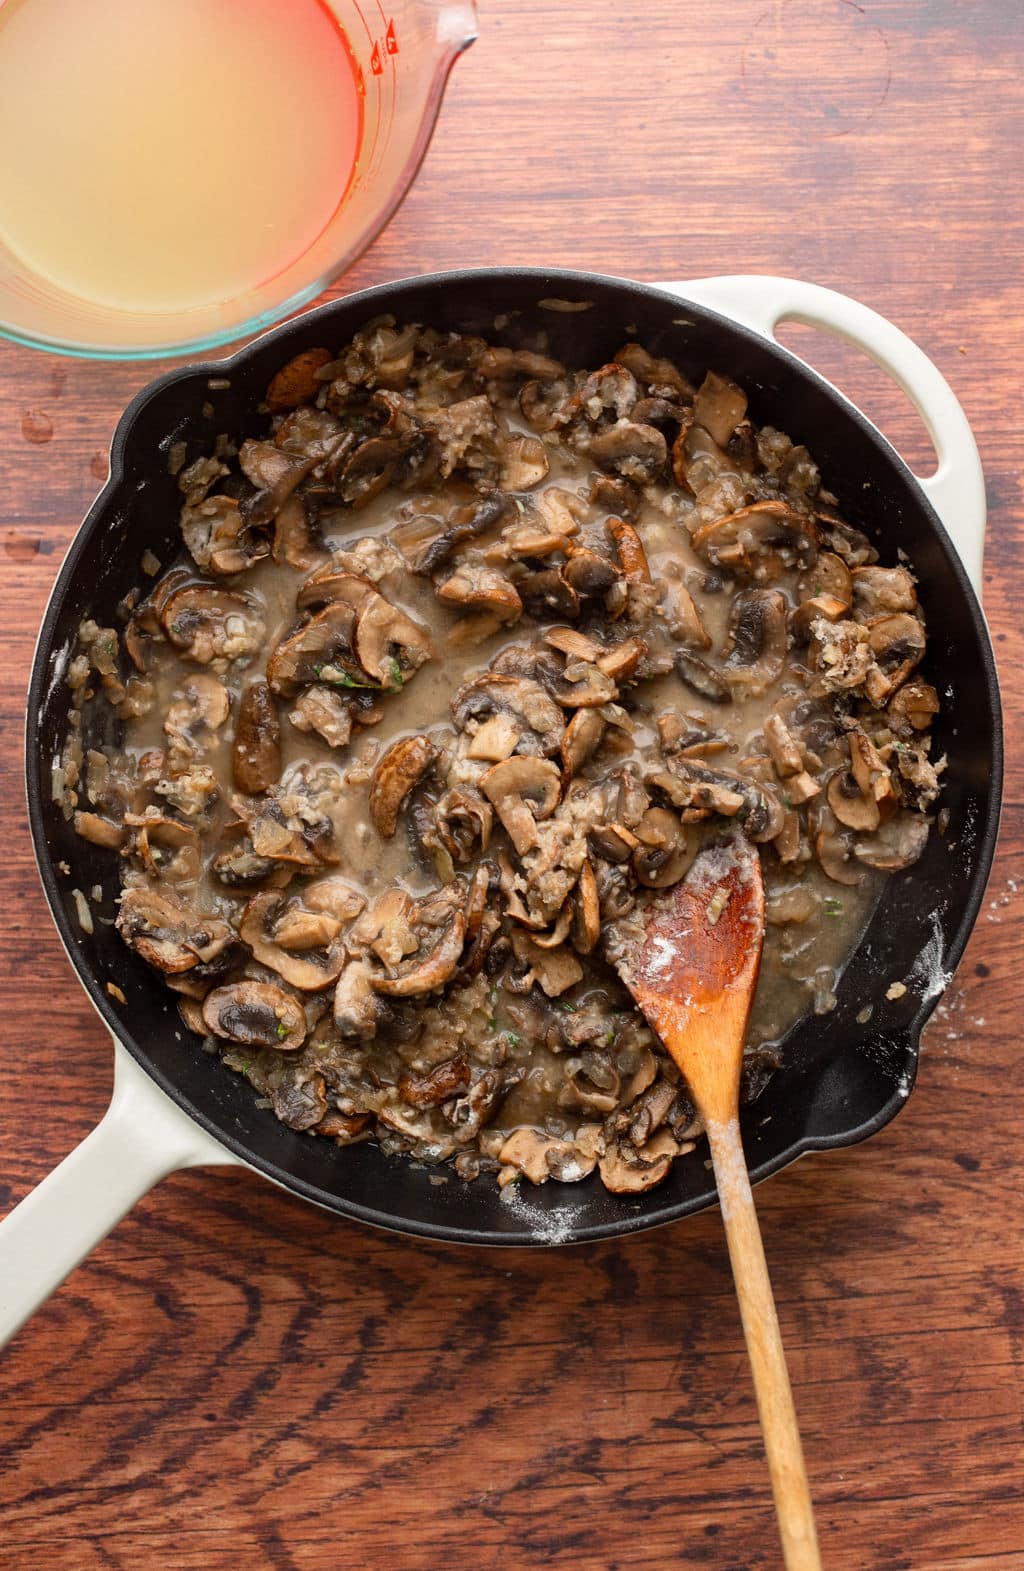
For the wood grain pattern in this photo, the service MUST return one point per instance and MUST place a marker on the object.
(234, 1379)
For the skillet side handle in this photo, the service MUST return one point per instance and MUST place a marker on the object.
(141, 1138)
(957, 488)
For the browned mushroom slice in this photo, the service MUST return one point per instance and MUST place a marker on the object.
(320, 650)
(740, 539)
(98, 830)
(586, 912)
(206, 624)
(398, 771)
(482, 588)
(911, 707)
(540, 1157)
(631, 552)
(719, 406)
(581, 740)
(256, 749)
(424, 975)
(681, 615)
(524, 463)
(701, 678)
(663, 855)
(507, 365)
(588, 573)
(758, 641)
(573, 643)
(438, 1085)
(898, 644)
(625, 1172)
(522, 790)
(833, 846)
(219, 539)
(637, 452)
(496, 739)
(522, 699)
(872, 773)
(169, 935)
(584, 686)
(818, 608)
(335, 896)
(553, 970)
(832, 578)
(299, 929)
(389, 644)
(548, 593)
(328, 586)
(786, 752)
(166, 847)
(256, 1014)
(656, 375)
(879, 591)
(296, 540)
(897, 844)
(466, 523)
(851, 806)
(622, 660)
(309, 972)
(853, 547)
(357, 1008)
(464, 821)
(593, 1083)
(297, 381)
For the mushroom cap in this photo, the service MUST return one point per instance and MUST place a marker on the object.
(522, 789)
(329, 585)
(167, 933)
(256, 1014)
(895, 845)
(719, 406)
(490, 693)
(325, 640)
(389, 644)
(759, 641)
(637, 452)
(663, 855)
(256, 929)
(851, 806)
(205, 622)
(256, 748)
(739, 539)
(398, 771)
(424, 975)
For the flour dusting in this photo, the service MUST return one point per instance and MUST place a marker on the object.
(546, 1227)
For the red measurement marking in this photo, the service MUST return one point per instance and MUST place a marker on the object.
(376, 64)
(390, 41)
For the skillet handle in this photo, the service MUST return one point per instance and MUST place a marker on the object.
(957, 488)
(141, 1138)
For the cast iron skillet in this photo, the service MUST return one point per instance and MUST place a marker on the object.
(841, 1081)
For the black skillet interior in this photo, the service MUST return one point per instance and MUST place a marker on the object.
(841, 1080)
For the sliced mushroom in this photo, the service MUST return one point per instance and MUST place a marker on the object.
(389, 644)
(897, 844)
(581, 740)
(739, 540)
(524, 700)
(168, 934)
(438, 1085)
(682, 617)
(785, 750)
(701, 678)
(586, 912)
(663, 854)
(528, 1151)
(398, 771)
(325, 711)
(330, 586)
(482, 588)
(309, 972)
(911, 707)
(897, 643)
(467, 523)
(593, 1084)
(219, 539)
(625, 1172)
(588, 573)
(256, 1014)
(548, 593)
(553, 970)
(818, 608)
(207, 624)
(99, 831)
(851, 806)
(296, 541)
(834, 849)
(423, 976)
(464, 821)
(637, 452)
(319, 651)
(632, 555)
(758, 640)
(524, 463)
(879, 591)
(256, 749)
(621, 662)
(298, 929)
(335, 896)
(719, 406)
(167, 848)
(832, 578)
(357, 1007)
(522, 790)
(872, 773)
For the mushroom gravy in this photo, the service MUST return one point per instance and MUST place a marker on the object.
(464, 657)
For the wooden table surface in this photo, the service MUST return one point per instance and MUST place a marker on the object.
(236, 1380)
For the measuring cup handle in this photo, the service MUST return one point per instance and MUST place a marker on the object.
(957, 488)
(141, 1138)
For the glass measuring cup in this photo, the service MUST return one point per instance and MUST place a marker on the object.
(400, 56)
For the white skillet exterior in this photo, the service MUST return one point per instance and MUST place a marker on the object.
(144, 1135)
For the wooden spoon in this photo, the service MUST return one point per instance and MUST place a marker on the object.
(692, 968)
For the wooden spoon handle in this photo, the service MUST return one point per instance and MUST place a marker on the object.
(764, 1347)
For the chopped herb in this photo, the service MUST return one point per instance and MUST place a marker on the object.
(282, 1030)
(568, 1005)
(179, 628)
(110, 646)
(833, 907)
(817, 586)
(331, 673)
(492, 1023)
(512, 1038)
(396, 674)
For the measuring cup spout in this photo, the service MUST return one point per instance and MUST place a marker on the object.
(456, 23)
